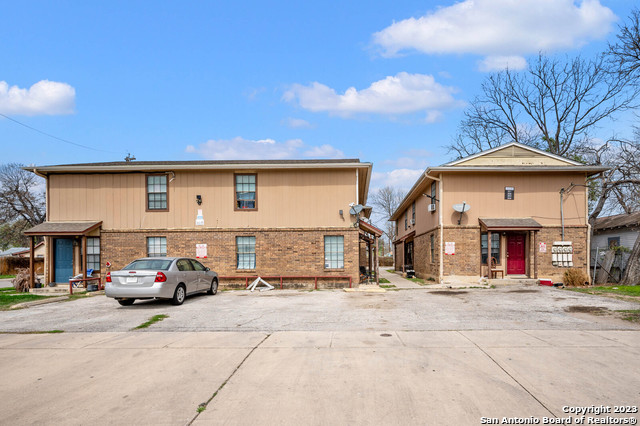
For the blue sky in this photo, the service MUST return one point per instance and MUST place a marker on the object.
(380, 81)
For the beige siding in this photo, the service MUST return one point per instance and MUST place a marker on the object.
(537, 195)
(286, 199)
(513, 156)
(425, 220)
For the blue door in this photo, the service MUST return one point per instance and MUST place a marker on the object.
(63, 260)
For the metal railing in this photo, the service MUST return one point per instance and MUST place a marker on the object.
(73, 283)
(283, 277)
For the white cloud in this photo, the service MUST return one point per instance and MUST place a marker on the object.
(324, 151)
(499, 28)
(297, 123)
(411, 159)
(399, 178)
(43, 98)
(264, 149)
(400, 94)
(498, 63)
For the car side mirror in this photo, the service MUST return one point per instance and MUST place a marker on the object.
(207, 269)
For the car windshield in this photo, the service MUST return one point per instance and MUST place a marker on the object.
(153, 264)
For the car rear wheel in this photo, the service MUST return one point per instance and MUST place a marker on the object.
(126, 302)
(179, 295)
(214, 287)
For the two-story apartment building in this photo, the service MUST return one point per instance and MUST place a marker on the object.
(530, 207)
(241, 218)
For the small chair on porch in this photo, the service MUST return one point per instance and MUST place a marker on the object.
(494, 271)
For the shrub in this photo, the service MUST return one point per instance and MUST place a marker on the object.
(574, 277)
(22, 280)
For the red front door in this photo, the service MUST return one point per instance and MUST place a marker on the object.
(515, 254)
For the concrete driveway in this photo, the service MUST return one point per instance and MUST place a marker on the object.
(317, 378)
(322, 357)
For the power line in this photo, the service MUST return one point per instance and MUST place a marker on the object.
(55, 137)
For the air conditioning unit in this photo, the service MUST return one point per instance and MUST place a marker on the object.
(413, 221)
(431, 208)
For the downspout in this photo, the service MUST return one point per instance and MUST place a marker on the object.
(357, 187)
(562, 211)
(440, 219)
(586, 218)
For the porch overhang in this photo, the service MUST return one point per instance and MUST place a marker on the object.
(370, 229)
(63, 228)
(509, 224)
(409, 235)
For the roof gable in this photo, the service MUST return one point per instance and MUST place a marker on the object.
(513, 154)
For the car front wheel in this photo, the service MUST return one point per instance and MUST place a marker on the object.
(179, 295)
(126, 302)
(214, 287)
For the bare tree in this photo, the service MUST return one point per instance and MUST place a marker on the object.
(553, 105)
(22, 202)
(624, 55)
(386, 200)
(619, 187)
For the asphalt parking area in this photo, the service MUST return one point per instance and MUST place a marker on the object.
(525, 308)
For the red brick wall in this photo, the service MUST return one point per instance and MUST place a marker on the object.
(466, 260)
(399, 248)
(424, 266)
(278, 252)
(577, 235)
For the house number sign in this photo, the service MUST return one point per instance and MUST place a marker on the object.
(509, 192)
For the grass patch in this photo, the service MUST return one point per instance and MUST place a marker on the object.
(154, 319)
(10, 298)
(384, 281)
(387, 286)
(7, 290)
(632, 315)
(417, 280)
(3, 277)
(391, 270)
(622, 290)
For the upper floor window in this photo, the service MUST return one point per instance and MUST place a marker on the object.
(157, 192)
(433, 194)
(246, 198)
(413, 213)
(405, 221)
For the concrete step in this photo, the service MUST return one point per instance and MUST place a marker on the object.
(514, 281)
(49, 291)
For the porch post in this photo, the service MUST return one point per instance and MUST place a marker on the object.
(84, 257)
(535, 254)
(32, 273)
(488, 254)
(377, 263)
(370, 258)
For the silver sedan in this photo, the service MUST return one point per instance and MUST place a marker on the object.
(162, 278)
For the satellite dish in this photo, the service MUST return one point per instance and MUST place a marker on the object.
(462, 208)
(354, 210)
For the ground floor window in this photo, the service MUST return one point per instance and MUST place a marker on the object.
(156, 246)
(495, 247)
(433, 248)
(246, 252)
(93, 253)
(334, 251)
